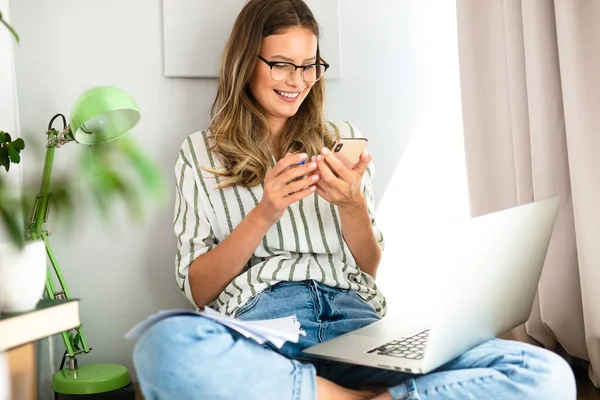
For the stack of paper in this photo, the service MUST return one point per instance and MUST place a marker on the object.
(276, 331)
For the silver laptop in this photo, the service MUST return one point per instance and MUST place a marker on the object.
(492, 268)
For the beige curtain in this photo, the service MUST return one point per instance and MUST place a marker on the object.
(530, 81)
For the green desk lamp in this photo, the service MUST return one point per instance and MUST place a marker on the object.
(98, 115)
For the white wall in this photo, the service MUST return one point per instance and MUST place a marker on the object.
(9, 118)
(123, 272)
(385, 85)
(427, 193)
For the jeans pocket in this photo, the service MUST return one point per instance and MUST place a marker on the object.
(249, 305)
(359, 297)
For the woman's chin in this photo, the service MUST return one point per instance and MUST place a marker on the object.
(286, 113)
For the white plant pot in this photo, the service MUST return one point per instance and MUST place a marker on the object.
(22, 276)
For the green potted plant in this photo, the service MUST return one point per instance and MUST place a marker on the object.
(106, 174)
(20, 264)
(10, 153)
(22, 267)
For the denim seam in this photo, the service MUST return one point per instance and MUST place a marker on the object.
(248, 305)
(523, 364)
(297, 384)
(404, 397)
(317, 309)
(459, 382)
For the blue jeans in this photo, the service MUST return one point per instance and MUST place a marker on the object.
(191, 357)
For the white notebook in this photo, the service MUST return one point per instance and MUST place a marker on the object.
(276, 331)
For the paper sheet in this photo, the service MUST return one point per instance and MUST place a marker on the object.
(276, 331)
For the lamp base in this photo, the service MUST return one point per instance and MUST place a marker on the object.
(126, 393)
(91, 380)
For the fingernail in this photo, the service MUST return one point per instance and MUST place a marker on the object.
(324, 151)
(313, 158)
(314, 177)
(312, 165)
(303, 156)
(319, 158)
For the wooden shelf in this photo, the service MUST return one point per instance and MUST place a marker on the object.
(48, 318)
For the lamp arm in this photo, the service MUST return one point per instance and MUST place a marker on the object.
(74, 339)
(42, 201)
(39, 213)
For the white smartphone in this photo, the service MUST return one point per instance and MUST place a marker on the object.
(348, 150)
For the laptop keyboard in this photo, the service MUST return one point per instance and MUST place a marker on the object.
(412, 348)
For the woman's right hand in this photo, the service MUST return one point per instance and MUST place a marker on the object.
(281, 189)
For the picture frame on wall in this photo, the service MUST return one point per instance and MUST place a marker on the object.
(195, 33)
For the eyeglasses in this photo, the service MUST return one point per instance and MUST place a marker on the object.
(283, 70)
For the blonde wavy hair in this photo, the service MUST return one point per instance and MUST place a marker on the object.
(239, 131)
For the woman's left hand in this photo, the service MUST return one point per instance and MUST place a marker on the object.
(338, 184)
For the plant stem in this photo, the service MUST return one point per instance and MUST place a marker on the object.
(10, 28)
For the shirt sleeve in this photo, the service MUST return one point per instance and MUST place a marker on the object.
(192, 229)
(368, 193)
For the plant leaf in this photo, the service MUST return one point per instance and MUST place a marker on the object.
(63, 201)
(19, 144)
(4, 160)
(14, 155)
(145, 172)
(12, 224)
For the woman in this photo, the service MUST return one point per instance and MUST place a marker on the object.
(269, 224)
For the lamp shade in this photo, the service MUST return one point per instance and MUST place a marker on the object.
(103, 113)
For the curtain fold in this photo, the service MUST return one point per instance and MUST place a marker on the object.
(579, 44)
(530, 91)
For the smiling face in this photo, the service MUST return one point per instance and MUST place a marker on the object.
(280, 100)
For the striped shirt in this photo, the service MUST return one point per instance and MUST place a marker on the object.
(306, 243)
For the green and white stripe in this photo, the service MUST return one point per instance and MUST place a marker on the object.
(307, 242)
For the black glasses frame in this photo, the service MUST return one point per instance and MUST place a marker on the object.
(271, 64)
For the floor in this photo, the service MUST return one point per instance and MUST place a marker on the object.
(585, 388)
(138, 394)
